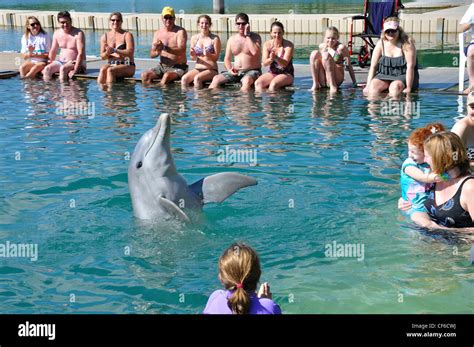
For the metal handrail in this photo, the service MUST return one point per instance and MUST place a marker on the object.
(462, 59)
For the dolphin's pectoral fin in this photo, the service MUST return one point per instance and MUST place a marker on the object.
(218, 187)
(171, 208)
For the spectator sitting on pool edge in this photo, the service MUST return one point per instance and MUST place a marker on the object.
(245, 47)
(35, 46)
(327, 63)
(70, 42)
(239, 272)
(393, 66)
(169, 43)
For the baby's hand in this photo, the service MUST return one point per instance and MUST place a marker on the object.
(435, 178)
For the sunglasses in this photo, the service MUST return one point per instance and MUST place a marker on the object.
(115, 20)
(240, 23)
(391, 31)
(34, 24)
(62, 23)
(168, 17)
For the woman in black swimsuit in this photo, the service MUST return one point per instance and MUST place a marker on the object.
(117, 46)
(393, 66)
(450, 204)
(278, 56)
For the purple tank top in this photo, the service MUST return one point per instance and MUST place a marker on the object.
(217, 304)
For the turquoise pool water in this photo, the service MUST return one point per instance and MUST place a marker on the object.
(327, 171)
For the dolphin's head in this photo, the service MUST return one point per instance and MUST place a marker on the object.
(152, 154)
(150, 161)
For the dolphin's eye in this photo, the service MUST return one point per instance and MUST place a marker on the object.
(139, 165)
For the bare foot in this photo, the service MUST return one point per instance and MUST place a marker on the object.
(198, 85)
(315, 87)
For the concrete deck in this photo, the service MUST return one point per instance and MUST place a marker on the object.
(449, 13)
(436, 3)
(433, 79)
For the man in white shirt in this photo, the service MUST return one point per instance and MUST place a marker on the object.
(467, 22)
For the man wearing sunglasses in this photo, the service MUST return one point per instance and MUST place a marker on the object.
(72, 58)
(245, 47)
(169, 44)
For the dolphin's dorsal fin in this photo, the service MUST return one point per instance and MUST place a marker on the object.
(218, 187)
(196, 188)
(171, 208)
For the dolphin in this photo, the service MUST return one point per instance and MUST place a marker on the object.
(158, 191)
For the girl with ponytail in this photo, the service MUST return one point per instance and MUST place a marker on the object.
(239, 272)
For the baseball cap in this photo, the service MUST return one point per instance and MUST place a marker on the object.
(390, 25)
(167, 11)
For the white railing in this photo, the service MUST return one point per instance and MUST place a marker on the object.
(462, 67)
(462, 60)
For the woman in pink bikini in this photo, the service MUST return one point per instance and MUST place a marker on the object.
(205, 50)
(278, 56)
(117, 46)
